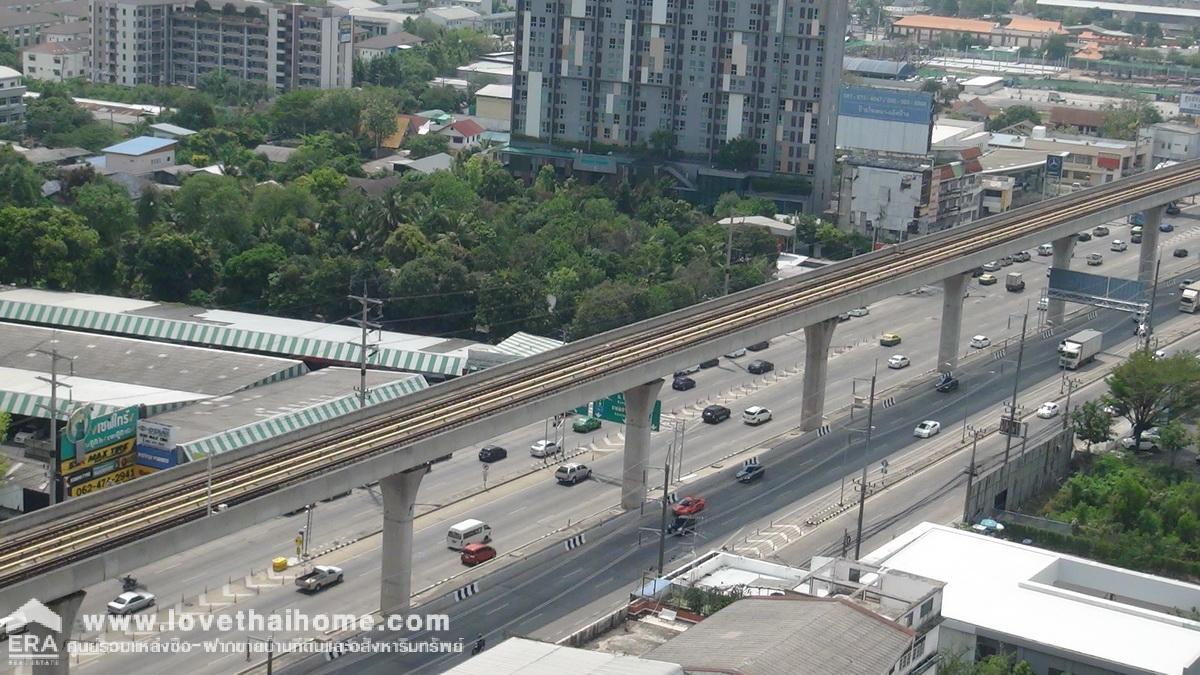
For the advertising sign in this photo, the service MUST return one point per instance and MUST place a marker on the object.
(156, 458)
(884, 120)
(151, 434)
(97, 457)
(86, 432)
(1189, 104)
(613, 410)
(1054, 165)
(112, 478)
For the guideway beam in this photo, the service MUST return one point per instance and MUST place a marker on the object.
(639, 404)
(399, 492)
(817, 337)
(952, 309)
(1064, 249)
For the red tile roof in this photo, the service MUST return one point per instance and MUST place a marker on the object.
(928, 22)
(467, 128)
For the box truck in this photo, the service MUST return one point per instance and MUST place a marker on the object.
(1079, 349)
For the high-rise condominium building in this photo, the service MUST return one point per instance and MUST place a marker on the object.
(281, 45)
(613, 72)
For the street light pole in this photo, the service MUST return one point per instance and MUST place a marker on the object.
(862, 489)
(662, 525)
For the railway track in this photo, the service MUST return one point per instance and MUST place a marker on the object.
(25, 554)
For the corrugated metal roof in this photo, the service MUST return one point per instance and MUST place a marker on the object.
(530, 657)
(787, 635)
(299, 419)
(857, 64)
(526, 344)
(140, 146)
(216, 335)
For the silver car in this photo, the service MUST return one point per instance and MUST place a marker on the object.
(128, 603)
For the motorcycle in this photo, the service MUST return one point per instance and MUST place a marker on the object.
(129, 584)
(478, 647)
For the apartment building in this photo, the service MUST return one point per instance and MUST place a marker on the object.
(24, 29)
(12, 93)
(613, 72)
(57, 61)
(280, 45)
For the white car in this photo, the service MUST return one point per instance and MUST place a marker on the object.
(898, 361)
(1043, 304)
(861, 311)
(1118, 246)
(1159, 355)
(1047, 410)
(737, 353)
(1109, 410)
(993, 266)
(927, 428)
(543, 448)
(755, 415)
(128, 603)
(1149, 441)
(980, 342)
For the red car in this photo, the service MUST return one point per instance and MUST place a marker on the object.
(689, 506)
(473, 554)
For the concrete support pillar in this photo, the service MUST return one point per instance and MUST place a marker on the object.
(58, 660)
(639, 404)
(1148, 257)
(816, 365)
(952, 307)
(1063, 250)
(399, 492)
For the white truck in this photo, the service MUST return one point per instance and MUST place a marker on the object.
(320, 577)
(1079, 349)
(1014, 283)
(1189, 298)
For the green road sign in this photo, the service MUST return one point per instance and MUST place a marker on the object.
(581, 410)
(613, 410)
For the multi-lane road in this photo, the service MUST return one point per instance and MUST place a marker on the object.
(523, 509)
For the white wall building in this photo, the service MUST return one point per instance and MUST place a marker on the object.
(454, 17)
(58, 61)
(12, 90)
(141, 155)
(1059, 613)
(1171, 141)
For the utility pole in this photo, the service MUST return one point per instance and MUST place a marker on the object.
(1012, 407)
(662, 525)
(1150, 312)
(728, 252)
(55, 456)
(862, 489)
(365, 351)
(975, 433)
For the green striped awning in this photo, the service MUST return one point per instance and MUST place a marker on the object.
(34, 405)
(210, 335)
(526, 344)
(298, 419)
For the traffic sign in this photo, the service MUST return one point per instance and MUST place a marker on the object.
(1010, 426)
(613, 410)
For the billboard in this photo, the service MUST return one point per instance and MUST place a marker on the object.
(1189, 104)
(613, 410)
(86, 433)
(156, 458)
(97, 457)
(83, 487)
(884, 120)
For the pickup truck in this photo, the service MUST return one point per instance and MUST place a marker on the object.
(320, 577)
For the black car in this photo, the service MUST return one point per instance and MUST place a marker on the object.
(492, 453)
(1135, 238)
(1180, 253)
(1100, 231)
(947, 384)
(759, 366)
(750, 472)
(1083, 236)
(715, 414)
(759, 346)
(711, 363)
(1173, 210)
(683, 384)
(977, 272)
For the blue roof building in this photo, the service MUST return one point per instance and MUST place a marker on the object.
(142, 145)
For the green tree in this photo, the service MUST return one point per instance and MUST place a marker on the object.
(1057, 48)
(1091, 423)
(46, 246)
(1153, 34)
(106, 208)
(739, 154)
(406, 243)
(20, 184)
(246, 276)
(379, 117)
(448, 99)
(419, 146)
(195, 112)
(217, 207)
(171, 265)
(1124, 121)
(1173, 437)
(1143, 388)
(9, 56)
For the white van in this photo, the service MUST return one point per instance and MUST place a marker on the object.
(468, 532)
(1045, 249)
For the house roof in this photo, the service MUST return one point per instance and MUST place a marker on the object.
(529, 657)
(70, 27)
(1076, 117)
(783, 635)
(468, 128)
(5, 71)
(453, 13)
(62, 47)
(975, 105)
(856, 64)
(1029, 24)
(142, 145)
(928, 22)
(397, 39)
(10, 18)
(172, 129)
(504, 91)
(439, 162)
(374, 187)
(54, 155)
(275, 153)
